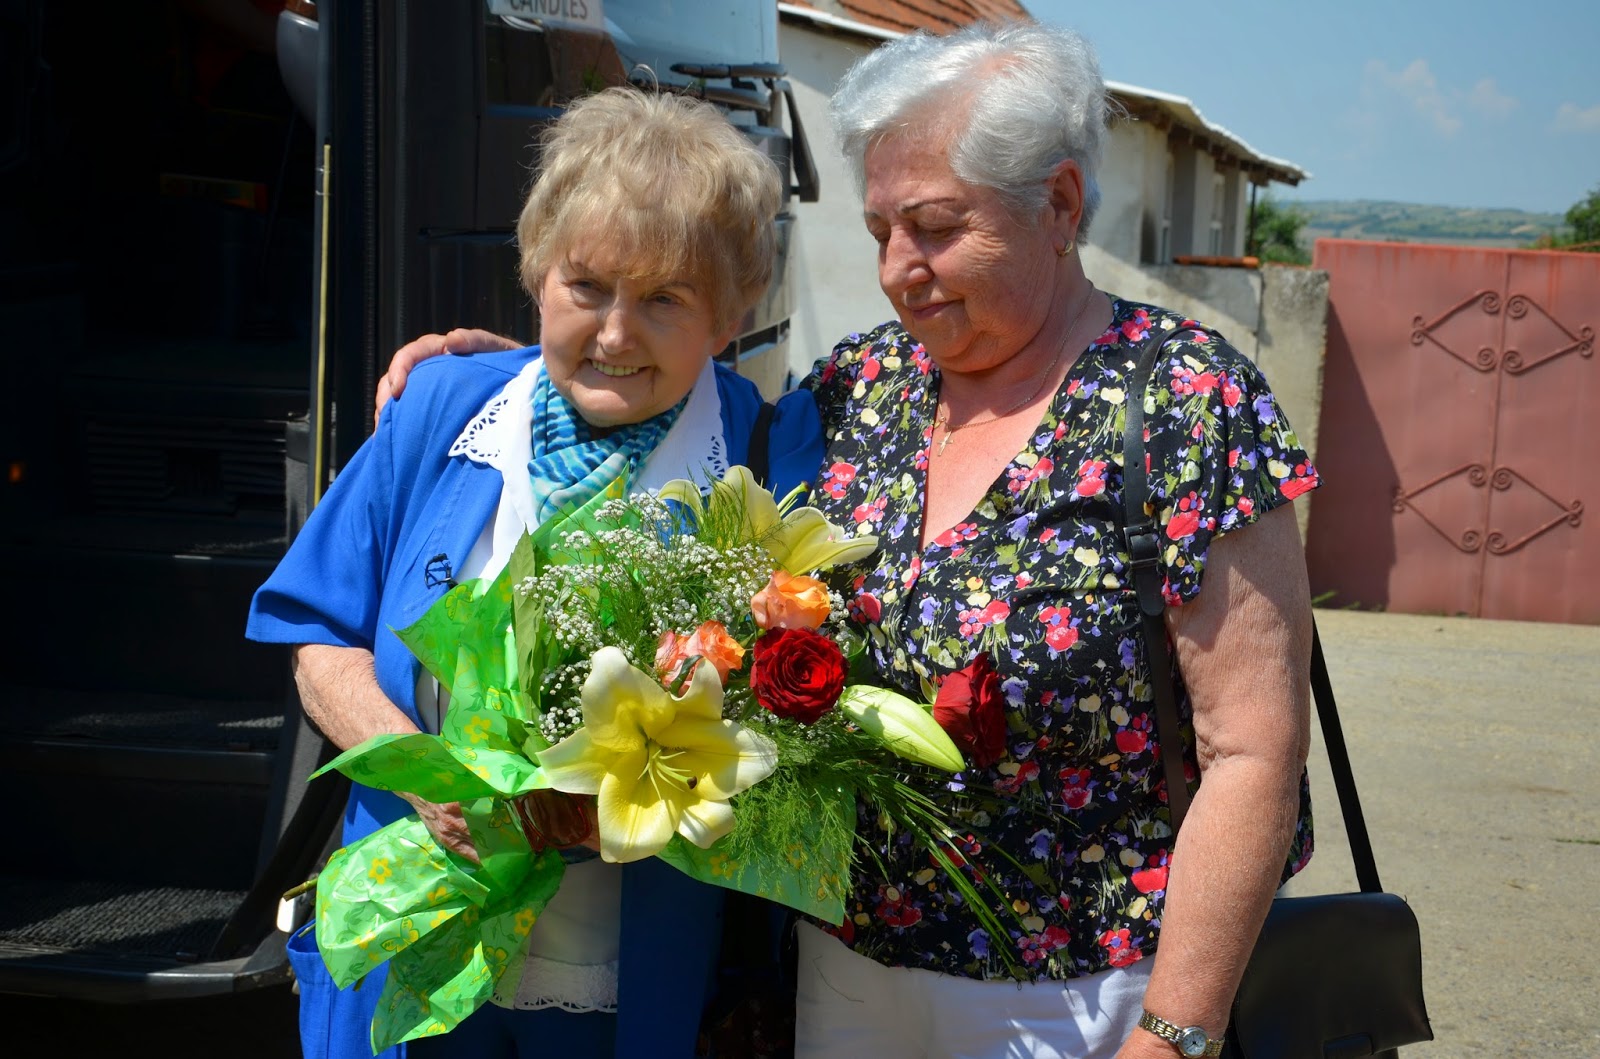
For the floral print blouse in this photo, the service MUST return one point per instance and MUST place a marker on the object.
(1071, 823)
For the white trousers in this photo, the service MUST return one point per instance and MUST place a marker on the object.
(850, 1007)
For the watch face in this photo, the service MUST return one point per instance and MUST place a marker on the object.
(1193, 1041)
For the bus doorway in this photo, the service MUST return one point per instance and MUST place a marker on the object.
(201, 273)
(157, 273)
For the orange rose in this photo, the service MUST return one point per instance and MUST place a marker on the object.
(790, 602)
(710, 642)
(667, 657)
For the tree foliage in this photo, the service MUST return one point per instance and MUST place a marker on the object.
(1583, 227)
(1275, 233)
(1584, 220)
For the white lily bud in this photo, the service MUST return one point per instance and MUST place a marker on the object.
(902, 725)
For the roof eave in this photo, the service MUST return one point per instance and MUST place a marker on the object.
(838, 23)
(1183, 113)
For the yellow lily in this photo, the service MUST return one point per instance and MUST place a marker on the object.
(800, 539)
(660, 765)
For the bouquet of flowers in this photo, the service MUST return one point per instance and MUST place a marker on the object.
(668, 656)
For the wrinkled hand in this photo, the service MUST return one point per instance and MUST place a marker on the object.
(553, 818)
(446, 824)
(408, 356)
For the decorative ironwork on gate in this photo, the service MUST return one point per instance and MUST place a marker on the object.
(1511, 361)
(1460, 432)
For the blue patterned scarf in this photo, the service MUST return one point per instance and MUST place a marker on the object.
(570, 466)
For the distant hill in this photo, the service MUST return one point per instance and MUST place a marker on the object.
(1413, 223)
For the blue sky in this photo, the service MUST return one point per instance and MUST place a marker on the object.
(1463, 103)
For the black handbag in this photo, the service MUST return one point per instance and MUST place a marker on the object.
(1332, 976)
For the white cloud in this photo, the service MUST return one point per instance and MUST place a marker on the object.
(1572, 118)
(1487, 100)
(1417, 87)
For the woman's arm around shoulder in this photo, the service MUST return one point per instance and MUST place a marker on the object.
(461, 340)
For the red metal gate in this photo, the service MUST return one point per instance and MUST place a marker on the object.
(1460, 432)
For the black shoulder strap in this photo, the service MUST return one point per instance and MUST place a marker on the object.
(1143, 540)
(759, 456)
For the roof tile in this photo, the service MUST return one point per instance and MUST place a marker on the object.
(937, 16)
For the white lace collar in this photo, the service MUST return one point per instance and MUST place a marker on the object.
(501, 436)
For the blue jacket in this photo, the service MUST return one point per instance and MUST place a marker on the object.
(367, 562)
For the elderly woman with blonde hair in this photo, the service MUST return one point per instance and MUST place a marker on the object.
(979, 436)
(649, 233)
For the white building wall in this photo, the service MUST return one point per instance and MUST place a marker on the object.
(1124, 195)
(835, 278)
(1182, 202)
(1134, 206)
(1157, 218)
(1212, 209)
(1233, 220)
(1244, 214)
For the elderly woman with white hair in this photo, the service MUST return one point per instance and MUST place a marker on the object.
(979, 436)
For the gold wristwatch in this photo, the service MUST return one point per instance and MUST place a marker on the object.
(1191, 1041)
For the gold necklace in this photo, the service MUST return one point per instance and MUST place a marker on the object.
(942, 420)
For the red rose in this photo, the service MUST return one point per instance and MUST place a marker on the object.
(971, 708)
(798, 674)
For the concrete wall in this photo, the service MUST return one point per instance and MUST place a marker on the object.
(1290, 347)
(1290, 343)
(834, 260)
(1227, 299)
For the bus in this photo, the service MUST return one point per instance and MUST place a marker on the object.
(221, 216)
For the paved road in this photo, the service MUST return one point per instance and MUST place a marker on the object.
(1476, 746)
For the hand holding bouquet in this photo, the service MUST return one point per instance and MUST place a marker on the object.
(669, 656)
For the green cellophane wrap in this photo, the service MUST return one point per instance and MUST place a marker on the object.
(450, 930)
(807, 877)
